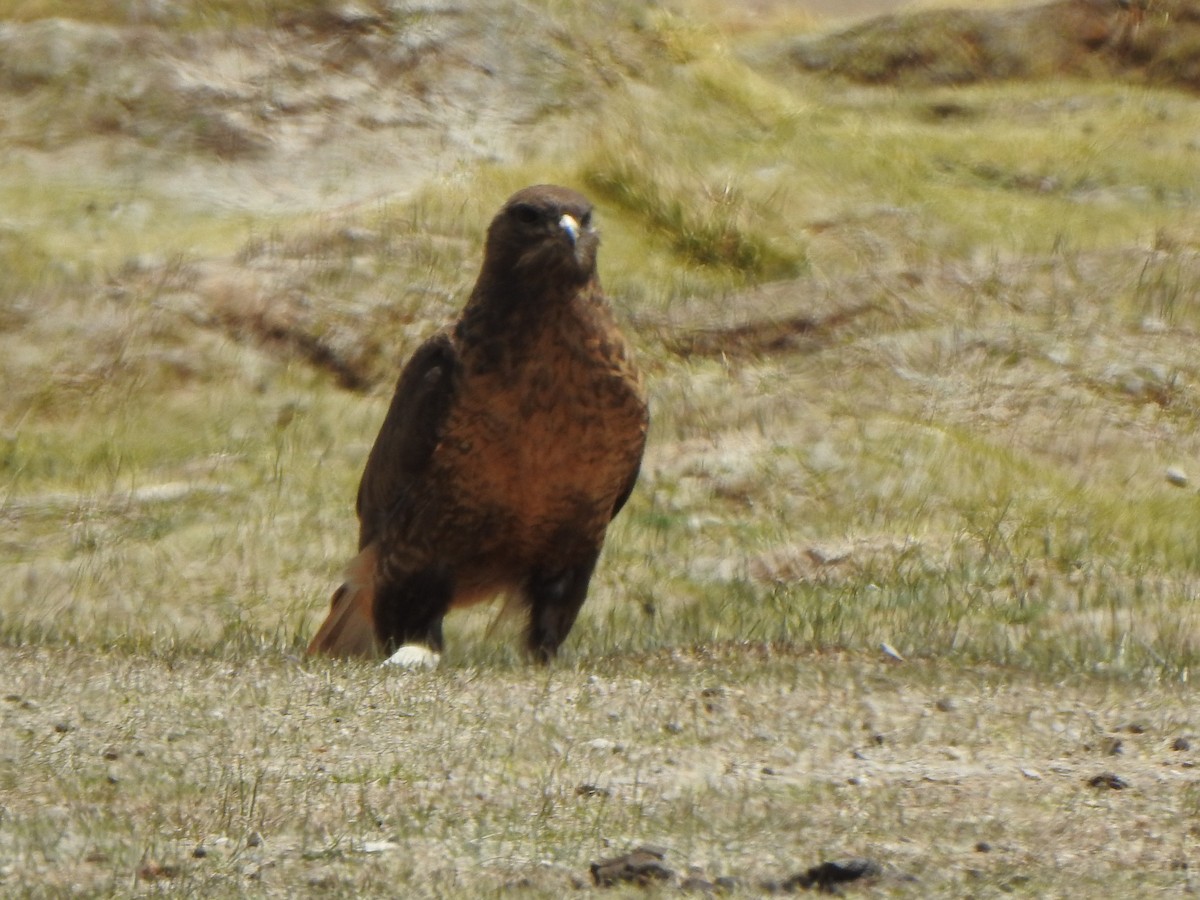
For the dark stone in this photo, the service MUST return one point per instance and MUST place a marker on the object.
(829, 875)
(642, 866)
(592, 790)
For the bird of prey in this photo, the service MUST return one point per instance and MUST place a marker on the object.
(513, 438)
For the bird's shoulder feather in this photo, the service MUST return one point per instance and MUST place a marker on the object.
(410, 432)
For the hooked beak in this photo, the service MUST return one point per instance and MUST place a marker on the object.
(569, 224)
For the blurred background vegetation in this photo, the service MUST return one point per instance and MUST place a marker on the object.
(916, 295)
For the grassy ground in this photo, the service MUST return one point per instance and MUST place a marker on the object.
(923, 375)
(265, 775)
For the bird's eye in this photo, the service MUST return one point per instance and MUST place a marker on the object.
(585, 221)
(525, 214)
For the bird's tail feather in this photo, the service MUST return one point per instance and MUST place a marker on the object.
(349, 629)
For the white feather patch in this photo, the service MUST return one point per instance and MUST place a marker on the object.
(414, 656)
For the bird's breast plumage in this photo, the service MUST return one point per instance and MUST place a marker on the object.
(540, 448)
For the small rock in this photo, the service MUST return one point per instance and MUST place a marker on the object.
(697, 883)
(1109, 780)
(1181, 743)
(254, 839)
(1177, 476)
(1154, 325)
(378, 846)
(983, 847)
(111, 753)
(890, 652)
(642, 866)
(63, 727)
(354, 235)
(1060, 356)
(945, 704)
(592, 790)
(828, 876)
(152, 871)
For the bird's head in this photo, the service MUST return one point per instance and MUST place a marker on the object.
(543, 235)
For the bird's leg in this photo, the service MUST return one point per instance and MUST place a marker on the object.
(554, 601)
(410, 610)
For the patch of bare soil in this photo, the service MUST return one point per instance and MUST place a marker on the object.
(338, 105)
(1157, 40)
(270, 303)
(878, 309)
(780, 317)
(336, 108)
(275, 297)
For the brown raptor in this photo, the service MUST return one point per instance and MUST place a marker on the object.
(513, 438)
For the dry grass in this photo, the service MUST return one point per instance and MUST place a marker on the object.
(199, 777)
(923, 375)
